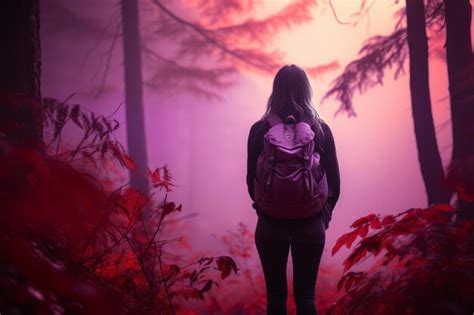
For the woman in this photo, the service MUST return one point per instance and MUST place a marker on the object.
(274, 237)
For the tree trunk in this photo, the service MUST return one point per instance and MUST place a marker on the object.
(461, 87)
(136, 136)
(428, 153)
(134, 95)
(20, 64)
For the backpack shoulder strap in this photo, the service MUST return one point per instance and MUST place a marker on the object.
(274, 119)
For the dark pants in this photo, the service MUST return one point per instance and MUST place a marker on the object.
(273, 239)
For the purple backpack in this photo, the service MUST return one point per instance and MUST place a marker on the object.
(289, 181)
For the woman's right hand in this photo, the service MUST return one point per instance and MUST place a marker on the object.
(327, 214)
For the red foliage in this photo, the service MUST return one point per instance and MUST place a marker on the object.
(122, 157)
(160, 180)
(349, 279)
(73, 247)
(51, 211)
(226, 265)
(434, 271)
(460, 179)
(363, 220)
(244, 294)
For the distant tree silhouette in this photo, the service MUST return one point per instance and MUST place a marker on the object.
(20, 72)
(461, 91)
(381, 53)
(136, 139)
(425, 133)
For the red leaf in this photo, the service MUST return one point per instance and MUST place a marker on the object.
(131, 202)
(128, 162)
(411, 215)
(155, 176)
(372, 244)
(352, 238)
(375, 224)
(354, 257)
(350, 279)
(340, 242)
(207, 286)
(171, 270)
(226, 265)
(122, 157)
(442, 207)
(438, 215)
(169, 207)
(363, 230)
(363, 220)
(387, 220)
(340, 283)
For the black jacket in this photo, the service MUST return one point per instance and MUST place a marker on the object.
(328, 160)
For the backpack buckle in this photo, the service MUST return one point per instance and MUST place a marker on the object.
(272, 160)
(306, 159)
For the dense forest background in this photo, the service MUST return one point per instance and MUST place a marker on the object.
(191, 133)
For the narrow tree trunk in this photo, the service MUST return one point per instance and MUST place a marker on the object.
(428, 153)
(20, 64)
(461, 87)
(136, 137)
(134, 94)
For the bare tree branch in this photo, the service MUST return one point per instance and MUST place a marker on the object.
(260, 31)
(109, 54)
(199, 80)
(199, 56)
(206, 34)
(335, 14)
(378, 54)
